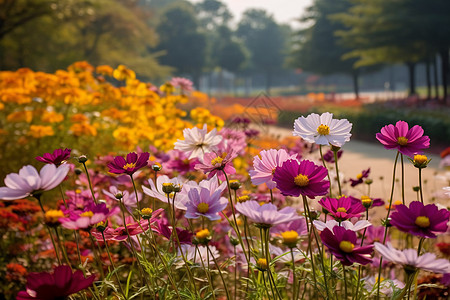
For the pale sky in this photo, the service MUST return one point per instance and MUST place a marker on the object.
(284, 11)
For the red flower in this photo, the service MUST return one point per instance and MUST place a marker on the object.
(56, 158)
(59, 285)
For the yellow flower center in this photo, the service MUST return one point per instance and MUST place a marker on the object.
(346, 246)
(243, 198)
(273, 170)
(147, 211)
(420, 159)
(262, 263)
(217, 160)
(366, 200)
(381, 279)
(289, 237)
(203, 208)
(301, 180)
(129, 166)
(202, 234)
(422, 221)
(52, 216)
(341, 209)
(359, 176)
(402, 141)
(87, 214)
(323, 129)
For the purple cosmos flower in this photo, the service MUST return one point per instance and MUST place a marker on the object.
(217, 163)
(264, 167)
(343, 208)
(56, 158)
(266, 214)
(29, 181)
(375, 234)
(59, 285)
(92, 214)
(421, 220)
(304, 178)
(203, 203)
(179, 162)
(133, 163)
(360, 177)
(163, 228)
(329, 156)
(341, 243)
(406, 141)
(409, 258)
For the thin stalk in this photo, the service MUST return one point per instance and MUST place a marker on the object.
(325, 166)
(97, 258)
(345, 282)
(359, 268)
(62, 249)
(420, 185)
(387, 216)
(235, 273)
(136, 193)
(113, 266)
(337, 171)
(90, 184)
(294, 282)
(62, 195)
(271, 196)
(207, 272)
(220, 272)
(403, 179)
(309, 242)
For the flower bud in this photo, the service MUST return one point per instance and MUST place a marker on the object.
(234, 184)
(261, 264)
(82, 159)
(156, 167)
(177, 188)
(290, 238)
(78, 171)
(416, 188)
(101, 226)
(420, 161)
(52, 216)
(146, 213)
(168, 187)
(366, 201)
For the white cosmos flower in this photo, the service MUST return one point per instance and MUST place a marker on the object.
(330, 224)
(198, 141)
(29, 181)
(156, 191)
(323, 129)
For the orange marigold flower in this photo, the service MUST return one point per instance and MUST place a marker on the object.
(80, 66)
(123, 73)
(39, 131)
(52, 117)
(20, 116)
(15, 272)
(78, 118)
(79, 129)
(104, 70)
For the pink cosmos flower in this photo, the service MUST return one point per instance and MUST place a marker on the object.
(217, 163)
(179, 162)
(298, 225)
(264, 167)
(29, 182)
(163, 228)
(409, 258)
(57, 157)
(343, 208)
(266, 214)
(156, 191)
(128, 199)
(232, 139)
(133, 163)
(92, 214)
(183, 83)
(406, 141)
(58, 285)
(203, 203)
(421, 220)
(375, 234)
(341, 243)
(304, 178)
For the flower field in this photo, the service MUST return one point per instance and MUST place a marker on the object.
(119, 189)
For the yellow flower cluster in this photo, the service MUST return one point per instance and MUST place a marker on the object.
(82, 107)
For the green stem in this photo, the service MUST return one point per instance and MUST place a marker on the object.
(403, 179)
(90, 184)
(113, 266)
(325, 166)
(420, 185)
(136, 194)
(294, 282)
(309, 242)
(337, 170)
(345, 281)
(220, 272)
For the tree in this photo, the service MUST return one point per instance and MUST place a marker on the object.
(266, 42)
(180, 39)
(317, 49)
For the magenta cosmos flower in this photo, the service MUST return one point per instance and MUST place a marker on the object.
(406, 141)
(202, 203)
(217, 163)
(92, 214)
(59, 285)
(409, 259)
(133, 163)
(264, 167)
(421, 220)
(360, 177)
(266, 214)
(304, 178)
(343, 208)
(56, 158)
(29, 182)
(341, 243)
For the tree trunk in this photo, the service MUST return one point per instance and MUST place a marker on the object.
(428, 78)
(435, 77)
(412, 78)
(445, 68)
(355, 77)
